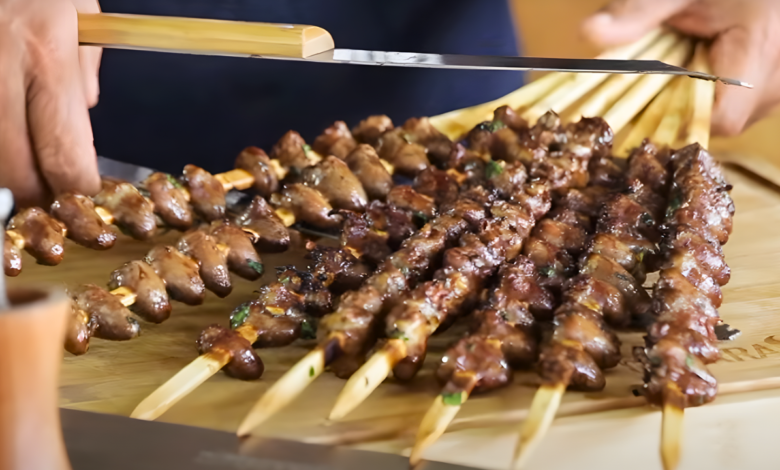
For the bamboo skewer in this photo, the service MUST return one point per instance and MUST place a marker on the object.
(647, 122)
(702, 98)
(456, 123)
(548, 397)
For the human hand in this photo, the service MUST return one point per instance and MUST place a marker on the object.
(746, 46)
(47, 85)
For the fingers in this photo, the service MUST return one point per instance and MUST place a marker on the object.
(623, 21)
(57, 115)
(749, 54)
(18, 171)
(89, 57)
(89, 60)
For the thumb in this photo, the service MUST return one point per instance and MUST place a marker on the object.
(624, 21)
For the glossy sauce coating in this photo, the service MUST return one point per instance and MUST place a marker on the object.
(112, 320)
(84, 225)
(132, 212)
(152, 303)
(12, 257)
(211, 259)
(242, 258)
(365, 164)
(308, 205)
(42, 235)
(244, 363)
(170, 202)
(271, 234)
(333, 178)
(207, 195)
(255, 161)
(180, 273)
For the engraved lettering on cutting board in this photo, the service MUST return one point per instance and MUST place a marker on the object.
(224, 460)
(768, 348)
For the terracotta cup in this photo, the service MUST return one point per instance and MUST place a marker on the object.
(31, 333)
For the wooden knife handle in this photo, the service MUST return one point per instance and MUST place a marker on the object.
(202, 36)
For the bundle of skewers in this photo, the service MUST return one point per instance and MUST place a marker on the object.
(522, 221)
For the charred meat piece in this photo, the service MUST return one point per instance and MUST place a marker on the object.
(256, 162)
(369, 170)
(424, 133)
(436, 184)
(111, 319)
(170, 201)
(84, 225)
(360, 238)
(397, 223)
(336, 140)
(337, 268)
(207, 195)
(307, 287)
(406, 198)
(132, 212)
(308, 205)
(510, 118)
(408, 158)
(41, 233)
(277, 315)
(333, 178)
(560, 363)
(152, 303)
(180, 274)
(12, 257)
(370, 130)
(242, 258)
(267, 228)
(211, 258)
(516, 146)
(291, 151)
(244, 362)
(78, 330)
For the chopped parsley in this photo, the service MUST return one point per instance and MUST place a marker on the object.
(420, 216)
(674, 203)
(257, 267)
(647, 219)
(689, 362)
(493, 169)
(452, 399)
(239, 315)
(311, 371)
(496, 125)
(173, 181)
(640, 256)
(504, 315)
(398, 334)
(306, 149)
(547, 271)
(308, 329)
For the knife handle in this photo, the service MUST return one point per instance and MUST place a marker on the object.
(204, 36)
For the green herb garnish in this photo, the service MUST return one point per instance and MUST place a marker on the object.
(452, 399)
(674, 203)
(622, 277)
(422, 217)
(408, 138)
(547, 271)
(496, 125)
(647, 219)
(306, 149)
(257, 267)
(239, 315)
(311, 371)
(640, 256)
(308, 329)
(398, 334)
(173, 181)
(689, 362)
(493, 169)
(504, 315)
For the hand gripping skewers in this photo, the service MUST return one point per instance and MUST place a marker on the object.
(467, 267)
(367, 236)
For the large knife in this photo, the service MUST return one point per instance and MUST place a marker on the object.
(99, 442)
(314, 44)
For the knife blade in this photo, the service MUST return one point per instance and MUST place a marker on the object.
(315, 45)
(96, 441)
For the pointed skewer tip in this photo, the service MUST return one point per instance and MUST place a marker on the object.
(434, 424)
(540, 416)
(368, 378)
(672, 428)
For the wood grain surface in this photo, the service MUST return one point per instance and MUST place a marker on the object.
(115, 376)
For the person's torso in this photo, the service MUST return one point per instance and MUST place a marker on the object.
(165, 110)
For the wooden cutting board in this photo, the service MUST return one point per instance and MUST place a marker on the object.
(611, 429)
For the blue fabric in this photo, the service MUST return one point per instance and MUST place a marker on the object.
(165, 110)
